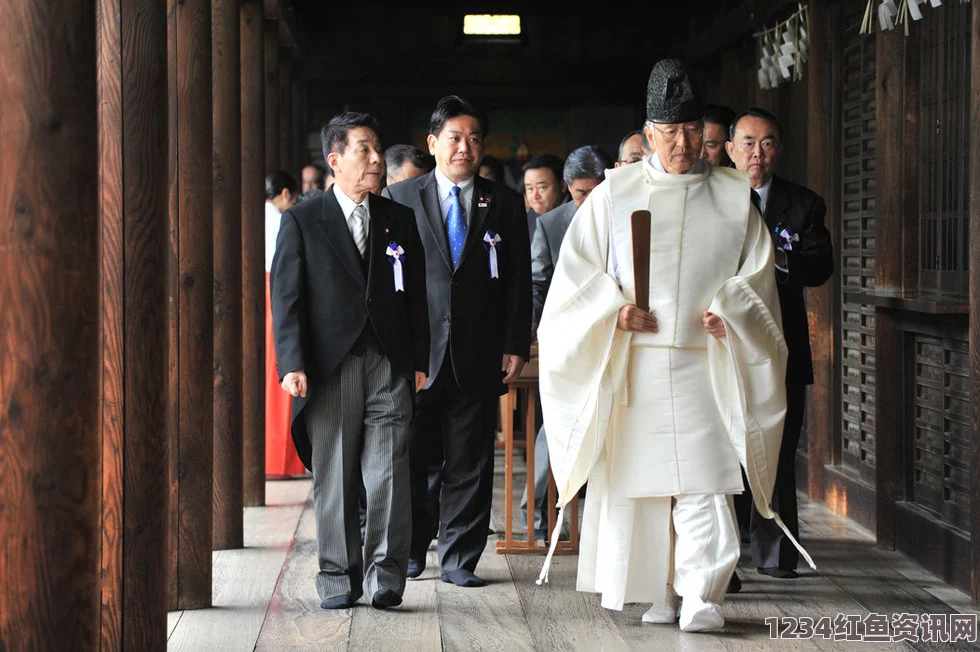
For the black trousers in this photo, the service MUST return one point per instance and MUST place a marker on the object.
(770, 547)
(464, 424)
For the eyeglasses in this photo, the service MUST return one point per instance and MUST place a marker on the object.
(672, 133)
(767, 145)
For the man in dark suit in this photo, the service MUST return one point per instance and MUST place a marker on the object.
(585, 168)
(804, 258)
(479, 288)
(352, 343)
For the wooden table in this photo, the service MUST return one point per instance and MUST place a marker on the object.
(528, 385)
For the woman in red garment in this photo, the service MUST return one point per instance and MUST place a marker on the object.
(281, 459)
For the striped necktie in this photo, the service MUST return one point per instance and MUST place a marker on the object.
(358, 228)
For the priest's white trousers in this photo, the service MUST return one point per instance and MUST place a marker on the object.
(647, 549)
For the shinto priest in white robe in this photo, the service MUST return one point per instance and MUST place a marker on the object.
(641, 415)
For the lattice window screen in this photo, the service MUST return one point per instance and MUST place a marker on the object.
(942, 438)
(858, 247)
(944, 197)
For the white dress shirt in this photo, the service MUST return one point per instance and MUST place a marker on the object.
(347, 206)
(444, 186)
(764, 195)
(272, 220)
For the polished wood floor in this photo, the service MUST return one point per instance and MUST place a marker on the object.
(264, 598)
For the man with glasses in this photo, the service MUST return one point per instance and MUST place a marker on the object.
(794, 216)
(658, 406)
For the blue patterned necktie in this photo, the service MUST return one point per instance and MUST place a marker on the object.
(455, 226)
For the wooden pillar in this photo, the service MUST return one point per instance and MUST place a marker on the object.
(192, 373)
(227, 179)
(975, 306)
(253, 254)
(133, 83)
(823, 131)
(889, 360)
(271, 63)
(300, 157)
(49, 327)
(286, 158)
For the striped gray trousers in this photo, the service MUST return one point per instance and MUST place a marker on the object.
(357, 422)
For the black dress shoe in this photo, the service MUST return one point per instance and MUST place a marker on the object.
(385, 598)
(734, 584)
(343, 601)
(462, 577)
(415, 567)
(780, 573)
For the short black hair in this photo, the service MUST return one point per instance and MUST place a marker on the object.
(756, 112)
(622, 143)
(333, 137)
(494, 164)
(453, 106)
(396, 155)
(587, 162)
(548, 161)
(717, 114)
(321, 173)
(277, 181)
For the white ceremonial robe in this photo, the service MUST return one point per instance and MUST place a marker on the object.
(655, 415)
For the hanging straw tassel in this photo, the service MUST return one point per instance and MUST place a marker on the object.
(867, 25)
(543, 577)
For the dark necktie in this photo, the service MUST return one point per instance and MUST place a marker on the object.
(757, 200)
(455, 226)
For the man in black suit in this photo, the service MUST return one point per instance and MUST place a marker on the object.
(804, 258)
(479, 287)
(585, 168)
(352, 342)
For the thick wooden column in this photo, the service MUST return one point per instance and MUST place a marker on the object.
(192, 373)
(253, 254)
(975, 305)
(49, 327)
(227, 177)
(300, 157)
(286, 157)
(890, 128)
(286, 140)
(823, 131)
(271, 64)
(133, 208)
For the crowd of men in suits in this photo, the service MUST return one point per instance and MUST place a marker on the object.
(405, 292)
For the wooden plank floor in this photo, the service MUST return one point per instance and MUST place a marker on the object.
(265, 599)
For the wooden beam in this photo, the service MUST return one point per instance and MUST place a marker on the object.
(49, 327)
(271, 63)
(253, 254)
(975, 305)
(736, 24)
(227, 180)
(133, 83)
(192, 436)
(823, 128)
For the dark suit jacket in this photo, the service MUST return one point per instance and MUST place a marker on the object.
(324, 295)
(474, 317)
(810, 264)
(545, 246)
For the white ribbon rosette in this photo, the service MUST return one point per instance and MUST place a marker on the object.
(490, 241)
(395, 254)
